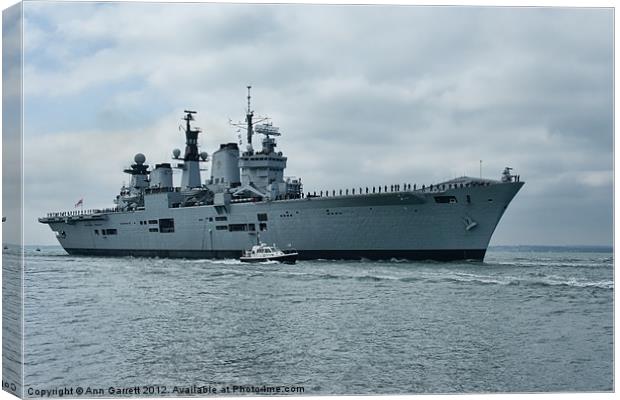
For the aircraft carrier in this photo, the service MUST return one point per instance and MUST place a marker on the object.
(247, 197)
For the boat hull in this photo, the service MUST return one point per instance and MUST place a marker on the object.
(438, 255)
(289, 258)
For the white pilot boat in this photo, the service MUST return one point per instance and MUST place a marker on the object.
(262, 252)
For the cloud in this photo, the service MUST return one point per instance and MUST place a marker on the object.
(365, 95)
(595, 178)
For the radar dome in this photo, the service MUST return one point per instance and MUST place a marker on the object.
(204, 155)
(139, 158)
(176, 153)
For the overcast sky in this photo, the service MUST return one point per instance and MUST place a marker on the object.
(364, 95)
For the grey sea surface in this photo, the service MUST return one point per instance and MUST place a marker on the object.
(524, 320)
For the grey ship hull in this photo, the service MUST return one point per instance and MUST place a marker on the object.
(408, 225)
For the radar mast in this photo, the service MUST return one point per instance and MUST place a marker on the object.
(249, 123)
(248, 119)
(191, 137)
(191, 170)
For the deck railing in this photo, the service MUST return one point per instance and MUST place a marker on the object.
(75, 213)
(406, 187)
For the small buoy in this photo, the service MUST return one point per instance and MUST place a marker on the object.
(38, 249)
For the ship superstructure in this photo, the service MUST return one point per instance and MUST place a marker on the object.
(248, 194)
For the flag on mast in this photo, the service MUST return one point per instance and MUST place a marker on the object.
(79, 203)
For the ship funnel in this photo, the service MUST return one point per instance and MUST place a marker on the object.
(161, 176)
(225, 165)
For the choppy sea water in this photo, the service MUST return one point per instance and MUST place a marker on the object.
(522, 321)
